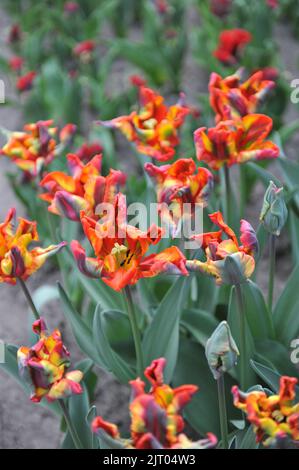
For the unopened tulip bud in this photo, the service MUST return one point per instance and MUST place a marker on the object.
(274, 211)
(221, 350)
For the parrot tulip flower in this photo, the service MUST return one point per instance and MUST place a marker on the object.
(178, 184)
(273, 417)
(238, 141)
(16, 260)
(89, 150)
(156, 421)
(120, 251)
(82, 190)
(36, 146)
(154, 128)
(226, 260)
(44, 366)
(231, 98)
(231, 43)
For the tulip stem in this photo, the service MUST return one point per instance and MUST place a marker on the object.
(135, 330)
(243, 356)
(222, 411)
(272, 249)
(228, 195)
(70, 425)
(29, 299)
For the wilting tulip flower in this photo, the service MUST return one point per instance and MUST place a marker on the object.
(231, 97)
(231, 44)
(16, 63)
(156, 421)
(221, 350)
(220, 7)
(120, 250)
(226, 260)
(273, 417)
(44, 366)
(89, 150)
(274, 212)
(16, 260)
(25, 82)
(178, 184)
(82, 190)
(36, 146)
(154, 128)
(238, 141)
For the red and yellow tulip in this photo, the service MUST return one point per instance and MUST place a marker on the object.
(156, 421)
(178, 184)
(16, 260)
(231, 98)
(120, 250)
(154, 128)
(82, 190)
(44, 366)
(226, 259)
(273, 417)
(36, 146)
(232, 142)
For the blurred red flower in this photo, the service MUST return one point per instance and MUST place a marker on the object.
(231, 43)
(16, 63)
(25, 82)
(220, 7)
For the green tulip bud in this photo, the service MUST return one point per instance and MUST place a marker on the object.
(274, 212)
(221, 350)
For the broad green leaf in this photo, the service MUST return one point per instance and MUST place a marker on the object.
(285, 315)
(78, 408)
(276, 355)
(269, 376)
(80, 330)
(161, 338)
(111, 360)
(200, 324)
(234, 323)
(249, 440)
(89, 419)
(192, 368)
(257, 313)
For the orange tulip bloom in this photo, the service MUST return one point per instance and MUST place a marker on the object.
(83, 190)
(230, 97)
(36, 147)
(154, 129)
(156, 421)
(16, 260)
(44, 366)
(178, 184)
(231, 44)
(273, 417)
(222, 250)
(238, 141)
(120, 251)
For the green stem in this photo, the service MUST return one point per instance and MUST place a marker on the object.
(227, 195)
(222, 411)
(243, 356)
(272, 250)
(70, 425)
(52, 229)
(29, 299)
(135, 330)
